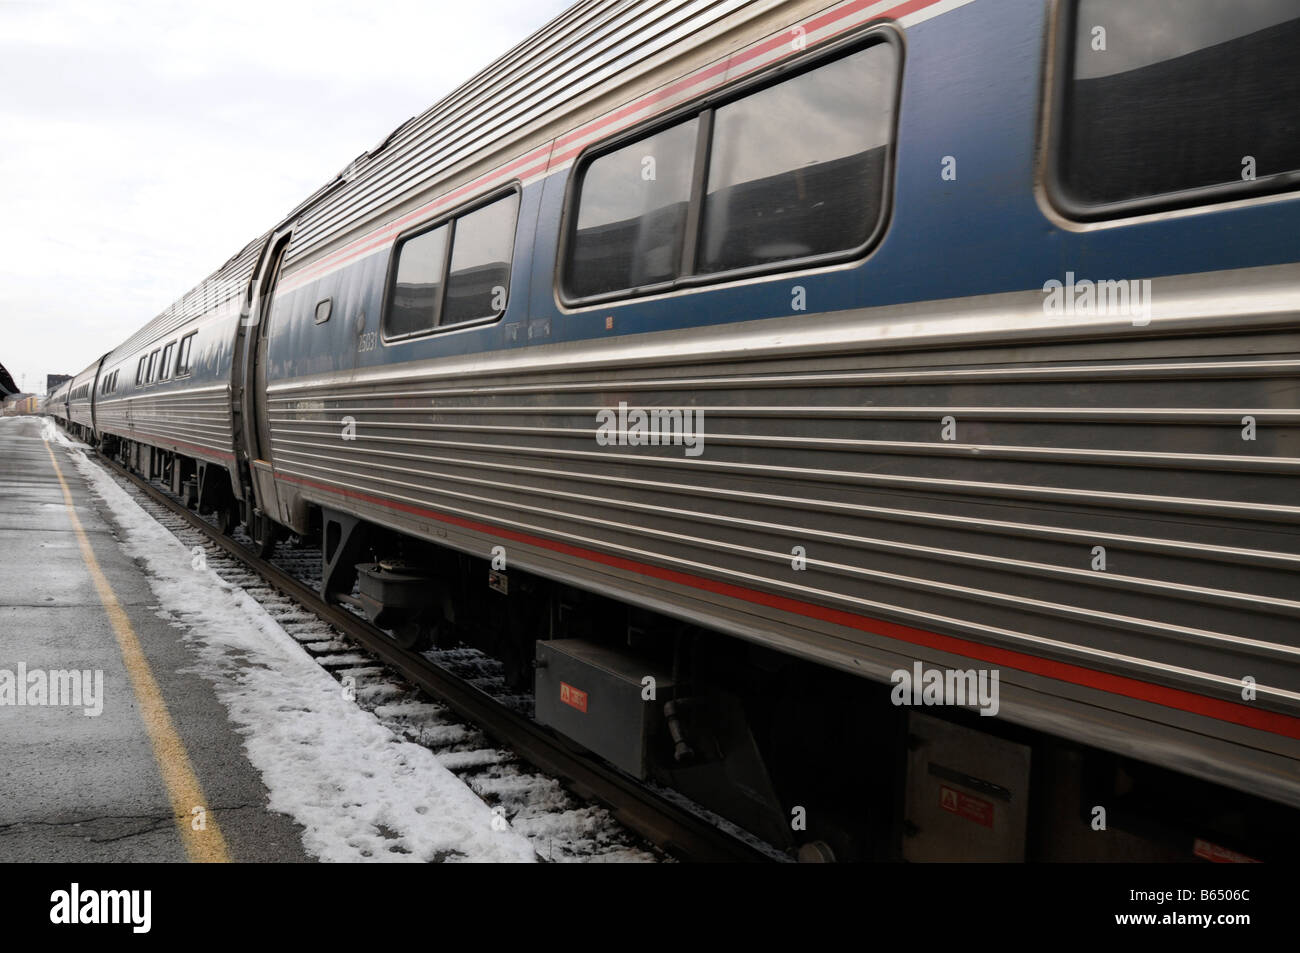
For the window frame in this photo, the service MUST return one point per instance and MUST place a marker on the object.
(449, 219)
(704, 108)
(164, 370)
(186, 353)
(151, 374)
(1058, 77)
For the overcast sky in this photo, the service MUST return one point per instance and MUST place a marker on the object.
(143, 143)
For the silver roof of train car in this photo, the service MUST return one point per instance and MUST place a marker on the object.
(567, 61)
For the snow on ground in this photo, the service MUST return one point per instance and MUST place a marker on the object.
(360, 792)
(51, 433)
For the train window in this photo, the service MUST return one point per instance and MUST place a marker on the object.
(152, 374)
(184, 358)
(165, 365)
(632, 210)
(1171, 103)
(797, 170)
(417, 291)
(478, 278)
(792, 173)
(140, 370)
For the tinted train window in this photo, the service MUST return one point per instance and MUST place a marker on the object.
(417, 292)
(165, 368)
(153, 368)
(1167, 96)
(437, 286)
(791, 174)
(631, 221)
(140, 369)
(797, 170)
(183, 358)
(479, 275)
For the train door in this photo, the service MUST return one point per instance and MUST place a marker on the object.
(264, 507)
(95, 396)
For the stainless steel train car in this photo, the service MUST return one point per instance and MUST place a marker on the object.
(166, 406)
(871, 413)
(81, 400)
(56, 405)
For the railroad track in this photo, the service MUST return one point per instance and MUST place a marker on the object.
(571, 806)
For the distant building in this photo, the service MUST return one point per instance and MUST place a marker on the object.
(54, 380)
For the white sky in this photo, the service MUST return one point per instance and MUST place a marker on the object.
(144, 142)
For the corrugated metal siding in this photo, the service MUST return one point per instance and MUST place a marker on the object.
(79, 409)
(989, 539)
(195, 421)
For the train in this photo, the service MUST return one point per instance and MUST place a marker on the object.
(56, 403)
(874, 421)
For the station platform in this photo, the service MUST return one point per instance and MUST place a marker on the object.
(138, 762)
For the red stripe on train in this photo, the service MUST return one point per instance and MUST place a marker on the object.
(733, 61)
(1233, 712)
(385, 233)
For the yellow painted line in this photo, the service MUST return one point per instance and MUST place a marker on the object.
(183, 788)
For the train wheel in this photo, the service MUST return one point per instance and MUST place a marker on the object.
(265, 534)
(414, 636)
(226, 519)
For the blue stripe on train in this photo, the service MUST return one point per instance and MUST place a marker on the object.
(971, 89)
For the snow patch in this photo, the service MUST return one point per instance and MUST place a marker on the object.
(359, 791)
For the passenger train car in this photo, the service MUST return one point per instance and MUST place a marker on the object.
(56, 405)
(877, 420)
